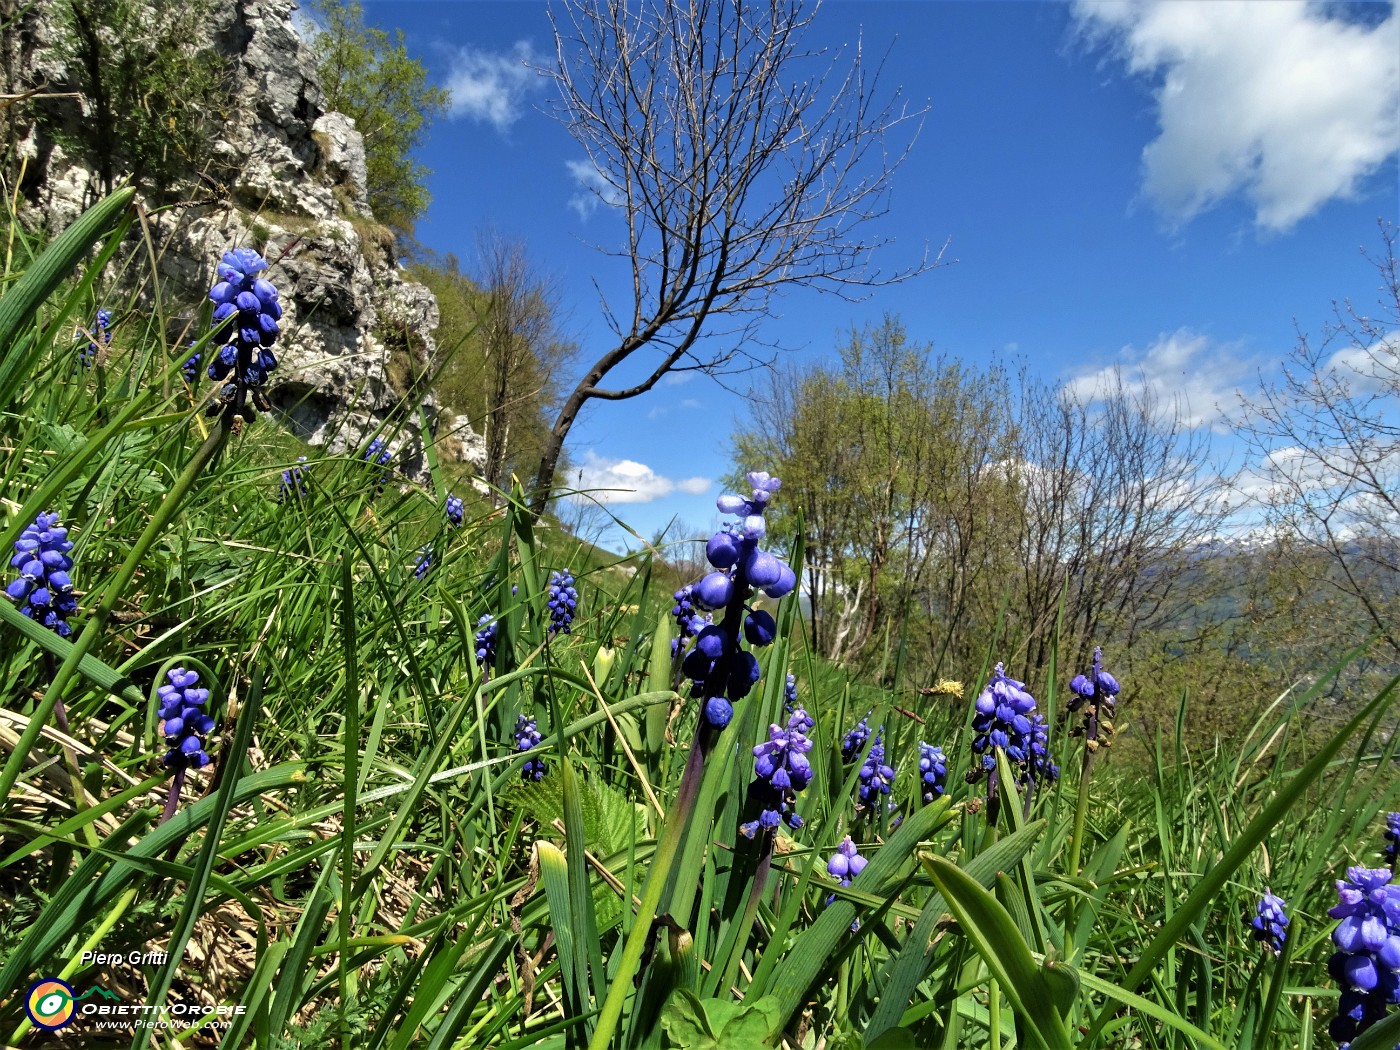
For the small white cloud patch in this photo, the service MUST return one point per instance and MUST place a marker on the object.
(1184, 373)
(1282, 101)
(593, 188)
(627, 481)
(491, 87)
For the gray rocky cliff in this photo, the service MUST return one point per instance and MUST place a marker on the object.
(290, 181)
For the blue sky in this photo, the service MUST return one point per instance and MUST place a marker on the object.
(1164, 185)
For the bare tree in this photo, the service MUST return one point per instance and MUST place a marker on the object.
(521, 349)
(1329, 445)
(742, 163)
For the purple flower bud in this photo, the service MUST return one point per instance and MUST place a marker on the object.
(722, 551)
(715, 590)
(762, 569)
(760, 628)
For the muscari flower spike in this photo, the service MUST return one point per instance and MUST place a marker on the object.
(379, 455)
(486, 642)
(720, 669)
(190, 369)
(44, 589)
(790, 693)
(455, 510)
(781, 770)
(1041, 766)
(1096, 694)
(563, 600)
(1366, 965)
(845, 864)
(1003, 719)
(1392, 839)
(854, 742)
(102, 332)
(689, 620)
(187, 724)
(294, 482)
(1271, 922)
(876, 777)
(527, 735)
(425, 561)
(933, 771)
(246, 312)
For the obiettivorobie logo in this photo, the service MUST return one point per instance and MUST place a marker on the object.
(49, 1003)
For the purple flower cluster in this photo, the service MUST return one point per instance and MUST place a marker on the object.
(44, 588)
(190, 369)
(1392, 839)
(486, 642)
(1041, 766)
(845, 864)
(876, 777)
(527, 735)
(781, 769)
(378, 454)
(563, 600)
(187, 724)
(455, 510)
(854, 742)
(294, 482)
(933, 771)
(246, 312)
(1271, 922)
(790, 693)
(1095, 695)
(1366, 964)
(690, 621)
(1003, 719)
(424, 562)
(102, 333)
(720, 670)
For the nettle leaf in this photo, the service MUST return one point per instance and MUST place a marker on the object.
(719, 1024)
(610, 819)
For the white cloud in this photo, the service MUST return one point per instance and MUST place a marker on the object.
(1373, 369)
(491, 86)
(627, 481)
(1278, 100)
(593, 188)
(1183, 372)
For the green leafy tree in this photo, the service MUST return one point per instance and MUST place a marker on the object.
(151, 86)
(370, 76)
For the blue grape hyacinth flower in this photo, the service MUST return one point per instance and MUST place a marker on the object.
(720, 669)
(190, 368)
(102, 333)
(425, 561)
(781, 770)
(1003, 719)
(1095, 695)
(377, 453)
(854, 741)
(294, 484)
(1041, 766)
(876, 776)
(845, 864)
(1366, 965)
(44, 590)
(486, 642)
(933, 771)
(527, 736)
(187, 724)
(246, 315)
(1271, 921)
(690, 621)
(563, 600)
(1392, 840)
(455, 510)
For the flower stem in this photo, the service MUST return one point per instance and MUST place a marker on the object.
(665, 856)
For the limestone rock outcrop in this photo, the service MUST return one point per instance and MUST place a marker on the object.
(288, 178)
